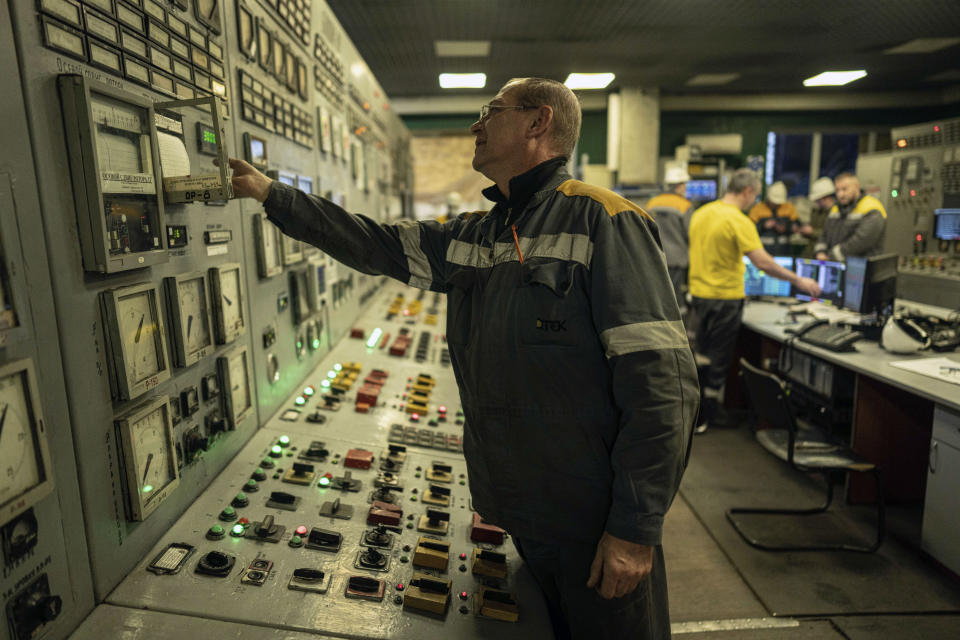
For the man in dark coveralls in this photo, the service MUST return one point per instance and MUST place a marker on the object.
(575, 374)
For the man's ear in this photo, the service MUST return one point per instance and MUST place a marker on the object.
(541, 124)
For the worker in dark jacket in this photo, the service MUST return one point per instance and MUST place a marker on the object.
(855, 225)
(575, 374)
(672, 212)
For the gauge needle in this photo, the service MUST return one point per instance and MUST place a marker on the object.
(137, 338)
(189, 325)
(3, 418)
(146, 469)
(228, 300)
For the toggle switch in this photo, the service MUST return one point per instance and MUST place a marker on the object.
(309, 579)
(324, 540)
(336, 510)
(378, 537)
(372, 559)
(300, 473)
(427, 593)
(434, 521)
(431, 553)
(435, 494)
(365, 588)
(283, 500)
(440, 472)
(491, 564)
(347, 482)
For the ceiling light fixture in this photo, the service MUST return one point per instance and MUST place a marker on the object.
(461, 48)
(705, 79)
(463, 80)
(922, 45)
(589, 80)
(834, 78)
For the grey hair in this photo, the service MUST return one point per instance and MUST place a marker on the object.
(536, 92)
(742, 180)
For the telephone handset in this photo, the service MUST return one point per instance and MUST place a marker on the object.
(806, 327)
(820, 333)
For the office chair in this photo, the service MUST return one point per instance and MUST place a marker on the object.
(806, 449)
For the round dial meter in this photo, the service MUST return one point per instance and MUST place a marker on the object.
(149, 457)
(138, 329)
(193, 315)
(230, 300)
(20, 462)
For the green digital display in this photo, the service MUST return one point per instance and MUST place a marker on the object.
(206, 139)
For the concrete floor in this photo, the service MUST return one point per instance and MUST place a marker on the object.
(720, 587)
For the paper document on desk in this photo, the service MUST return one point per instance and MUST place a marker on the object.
(940, 368)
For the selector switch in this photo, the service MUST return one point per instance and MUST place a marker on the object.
(324, 540)
(316, 452)
(432, 554)
(435, 494)
(267, 530)
(365, 588)
(427, 593)
(347, 482)
(378, 537)
(300, 473)
(309, 579)
(33, 609)
(489, 563)
(440, 472)
(215, 563)
(384, 494)
(336, 510)
(434, 521)
(283, 500)
(372, 559)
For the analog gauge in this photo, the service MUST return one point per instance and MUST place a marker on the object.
(273, 368)
(192, 337)
(300, 292)
(234, 372)
(292, 249)
(269, 252)
(135, 339)
(208, 12)
(228, 302)
(24, 458)
(149, 456)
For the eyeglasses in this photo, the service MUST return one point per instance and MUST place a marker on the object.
(487, 108)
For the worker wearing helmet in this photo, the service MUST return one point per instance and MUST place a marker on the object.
(776, 219)
(855, 225)
(672, 211)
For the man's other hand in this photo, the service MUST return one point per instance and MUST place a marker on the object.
(619, 566)
(821, 255)
(809, 286)
(248, 182)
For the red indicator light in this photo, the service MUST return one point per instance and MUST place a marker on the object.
(442, 409)
(463, 595)
(243, 521)
(301, 530)
(463, 556)
(919, 238)
(399, 586)
(936, 128)
(901, 143)
(414, 416)
(913, 192)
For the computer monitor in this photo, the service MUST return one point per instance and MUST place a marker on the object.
(870, 283)
(758, 283)
(701, 190)
(828, 274)
(947, 225)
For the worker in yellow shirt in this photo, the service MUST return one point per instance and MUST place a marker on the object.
(776, 220)
(720, 235)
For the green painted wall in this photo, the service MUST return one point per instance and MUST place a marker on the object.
(753, 125)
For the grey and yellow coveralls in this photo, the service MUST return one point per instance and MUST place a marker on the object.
(576, 378)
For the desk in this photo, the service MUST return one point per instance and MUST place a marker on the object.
(893, 419)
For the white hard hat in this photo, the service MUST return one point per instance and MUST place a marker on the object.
(676, 175)
(821, 188)
(777, 193)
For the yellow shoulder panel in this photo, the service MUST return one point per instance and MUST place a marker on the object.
(612, 203)
(868, 204)
(671, 200)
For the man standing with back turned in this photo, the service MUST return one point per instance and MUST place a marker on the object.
(720, 235)
(575, 375)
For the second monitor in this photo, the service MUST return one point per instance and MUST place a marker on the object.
(828, 274)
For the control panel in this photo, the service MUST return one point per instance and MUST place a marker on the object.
(349, 511)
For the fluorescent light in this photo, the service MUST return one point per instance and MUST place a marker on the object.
(589, 80)
(944, 76)
(923, 45)
(462, 48)
(704, 79)
(463, 80)
(834, 78)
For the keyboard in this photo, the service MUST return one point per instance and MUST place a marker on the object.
(831, 337)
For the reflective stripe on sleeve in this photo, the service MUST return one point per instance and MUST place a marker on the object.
(572, 247)
(420, 273)
(644, 336)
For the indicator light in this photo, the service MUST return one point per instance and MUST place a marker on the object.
(301, 530)
(894, 193)
(463, 556)
(216, 530)
(399, 586)
(374, 337)
(913, 192)
(936, 128)
(919, 238)
(296, 541)
(237, 530)
(300, 401)
(147, 488)
(243, 521)
(309, 391)
(901, 143)
(338, 367)
(316, 343)
(284, 441)
(415, 417)
(324, 481)
(442, 408)
(463, 595)
(276, 451)
(331, 374)
(325, 384)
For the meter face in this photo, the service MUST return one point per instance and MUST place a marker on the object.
(154, 461)
(124, 152)
(271, 248)
(21, 466)
(138, 330)
(193, 315)
(239, 384)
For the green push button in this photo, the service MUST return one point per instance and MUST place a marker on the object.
(228, 514)
(240, 501)
(215, 532)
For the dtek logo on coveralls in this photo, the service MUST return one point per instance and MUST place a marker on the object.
(551, 325)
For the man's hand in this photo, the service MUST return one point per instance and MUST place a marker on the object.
(248, 182)
(821, 255)
(769, 223)
(619, 566)
(809, 286)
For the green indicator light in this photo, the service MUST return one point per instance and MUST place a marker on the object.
(331, 374)
(374, 338)
(308, 391)
(228, 510)
(216, 530)
(316, 343)
(284, 441)
(338, 367)
(325, 384)
(300, 401)
(409, 525)
(324, 482)
(299, 345)
(237, 530)
(894, 193)
(296, 540)
(240, 497)
(413, 498)
(276, 449)
(147, 488)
